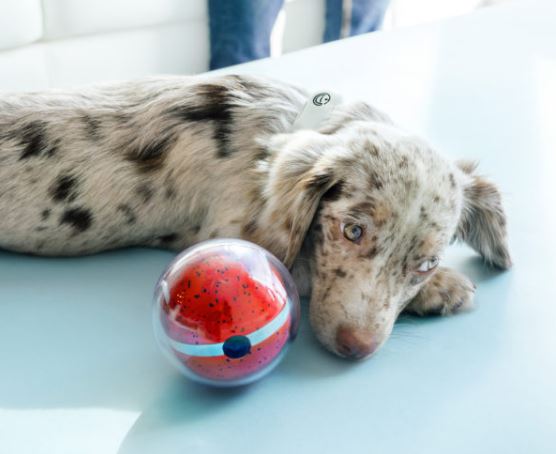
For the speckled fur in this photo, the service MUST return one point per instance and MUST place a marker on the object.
(168, 162)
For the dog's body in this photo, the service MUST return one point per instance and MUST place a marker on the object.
(157, 163)
(361, 208)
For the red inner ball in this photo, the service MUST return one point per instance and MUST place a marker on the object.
(216, 297)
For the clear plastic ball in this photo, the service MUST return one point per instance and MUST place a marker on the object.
(225, 312)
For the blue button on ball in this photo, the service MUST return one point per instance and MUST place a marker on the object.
(236, 346)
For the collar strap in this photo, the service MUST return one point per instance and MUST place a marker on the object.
(317, 109)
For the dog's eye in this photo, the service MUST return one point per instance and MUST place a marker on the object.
(428, 265)
(353, 232)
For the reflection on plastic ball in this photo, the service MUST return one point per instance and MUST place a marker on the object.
(225, 312)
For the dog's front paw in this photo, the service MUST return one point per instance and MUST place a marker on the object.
(447, 292)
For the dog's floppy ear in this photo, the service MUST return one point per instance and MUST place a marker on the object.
(483, 222)
(298, 176)
(302, 211)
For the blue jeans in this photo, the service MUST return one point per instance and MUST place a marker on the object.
(240, 29)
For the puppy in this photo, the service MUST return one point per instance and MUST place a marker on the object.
(361, 210)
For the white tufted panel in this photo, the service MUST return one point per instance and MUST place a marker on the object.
(67, 18)
(62, 43)
(169, 49)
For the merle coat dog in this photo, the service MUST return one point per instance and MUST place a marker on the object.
(361, 210)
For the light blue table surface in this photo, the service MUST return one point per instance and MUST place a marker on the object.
(80, 372)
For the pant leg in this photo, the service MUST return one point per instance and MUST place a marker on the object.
(352, 17)
(367, 15)
(240, 30)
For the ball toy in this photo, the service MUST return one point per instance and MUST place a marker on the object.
(225, 312)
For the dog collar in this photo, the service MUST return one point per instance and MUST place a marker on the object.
(318, 108)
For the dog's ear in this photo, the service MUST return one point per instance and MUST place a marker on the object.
(310, 191)
(299, 174)
(483, 222)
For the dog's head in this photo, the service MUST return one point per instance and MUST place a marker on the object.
(376, 208)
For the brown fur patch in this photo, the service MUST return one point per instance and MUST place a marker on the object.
(366, 207)
(381, 214)
(248, 229)
(339, 272)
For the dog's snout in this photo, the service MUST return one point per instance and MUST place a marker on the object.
(355, 343)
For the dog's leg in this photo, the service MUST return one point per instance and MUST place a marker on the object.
(447, 292)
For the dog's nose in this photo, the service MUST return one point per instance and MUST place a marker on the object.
(355, 343)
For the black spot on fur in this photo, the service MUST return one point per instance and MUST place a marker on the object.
(249, 228)
(376, 182)
(215, 105)
(317, 227)
(78, 218)
(314, 237)
(452, 180)
(64, 189)
(128, 212)
(45, 214)
(404, 267)
(170, 192)
(92, 126)
(151, 157)
(145, 192)
(334, 193)
(170, 238)
(32, 137)
(414, 242)
(436, 311)
(373, 252)
(320, 182)
(340, 272)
